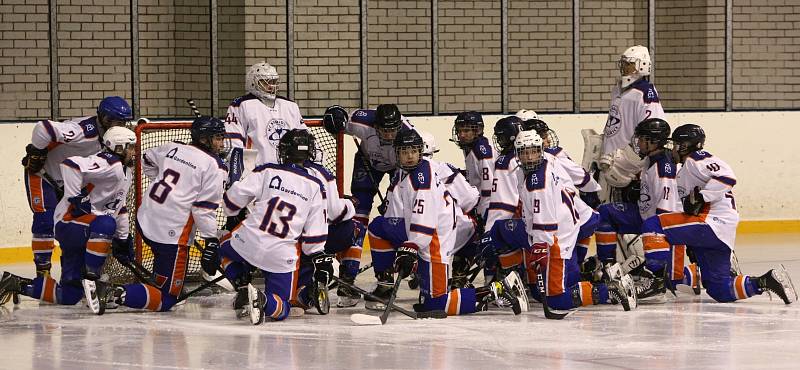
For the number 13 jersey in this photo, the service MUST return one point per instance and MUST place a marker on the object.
(186, 185)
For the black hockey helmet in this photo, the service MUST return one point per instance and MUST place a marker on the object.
(387, 122)
(406, 139)
(653, 130)
(505, 132)
(206, 127)
(470, 120)
(545, 132)
(335, 119)
(688, 138)
(296, 146)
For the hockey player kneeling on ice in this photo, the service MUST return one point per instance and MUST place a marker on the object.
(91, 216)
(548, 234)
(430, 219)
(287, 217)
(708, 223)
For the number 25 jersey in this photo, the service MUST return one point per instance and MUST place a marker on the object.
(186, 185)
(287, 213)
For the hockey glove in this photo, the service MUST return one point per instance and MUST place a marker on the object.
(591, 199)
(693, 202)
(232, 221)
(537, 256)
(323, 267)
(334, 119)
(383, 207)
(210, 259)
(80, 204)
(34, 158)
(405, 260)
(122, 249)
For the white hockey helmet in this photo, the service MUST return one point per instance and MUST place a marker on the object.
(430, 145)
(526, 114)
(262, 81)
(638, 56)
(119, 140)
(528, 140)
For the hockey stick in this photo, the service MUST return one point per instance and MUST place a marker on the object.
(368, 167)
(540, 283)
(388, 309)
(205, 285)
(372, 319)
(59, 190)
(139, 271)
(333, 284)
(193, 106)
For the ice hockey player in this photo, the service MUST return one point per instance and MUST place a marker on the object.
(259, 119)
(91, 217)
(708, 223)
(478, 156)
(376, 157)
(288, 218)
(180, 204)
(51, 143)
(429, 213)
(550, 232)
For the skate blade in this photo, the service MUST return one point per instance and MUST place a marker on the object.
(90, 293)
(296, 312)
(345, 303)
(789, 284)
(256, 315)
(375, 306)
(362, 319)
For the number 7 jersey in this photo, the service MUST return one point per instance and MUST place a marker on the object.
(186, 185)
(287, 214)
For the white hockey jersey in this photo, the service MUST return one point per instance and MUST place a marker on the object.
(548, 208)
(186, 185)
(251, 124)
(103, 177)
(580, 178)
(716, 181)
(466, 195)
(479, 163)
(77, 137)
(337, 209)
(628, 107)
(430, 214)
(504, 200)
(659, 188)
(287, 216)
(362, 126)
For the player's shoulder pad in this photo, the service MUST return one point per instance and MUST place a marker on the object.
(482, 148)
(321, 169)
(664, 164)
(421, 176)
(89, 127)
(108, 157)
(537, 180)
(239, 100)
(292, 169)
(504, 161)
(555, 151)
(700, 155)
(649, 93)
(364, 117)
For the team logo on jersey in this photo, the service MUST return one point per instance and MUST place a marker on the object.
(275, 130)
(483, 149)
(613, 122)
(534, 179)
(420, 177)
(113, 205)
(275, 182)
(394, 221)
(645, 198)
(172, 152)
(511, 225)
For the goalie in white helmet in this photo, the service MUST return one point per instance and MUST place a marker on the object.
(258, 119)
(90, 217)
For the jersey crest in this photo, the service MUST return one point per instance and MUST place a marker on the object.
(613, 122)
(275, 130)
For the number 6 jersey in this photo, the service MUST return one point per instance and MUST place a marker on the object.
(186, 185)
(287, 213)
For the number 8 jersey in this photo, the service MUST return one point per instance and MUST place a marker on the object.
(186, 185)
(287, 214)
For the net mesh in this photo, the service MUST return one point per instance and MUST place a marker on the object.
(154, 134)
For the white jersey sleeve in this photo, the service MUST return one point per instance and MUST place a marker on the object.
(582, 180)
(466, 195)
(184, 196)
(79, 137)
(106, 182)
(628, 107)
(362, 125)
(251, 124)
(504, 200)
(394, 206)
(337, 209)
(479, 162)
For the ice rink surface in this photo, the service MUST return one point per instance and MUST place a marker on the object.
(685, 332)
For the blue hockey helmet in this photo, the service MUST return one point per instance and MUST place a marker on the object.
(505, 132)
(114, 109)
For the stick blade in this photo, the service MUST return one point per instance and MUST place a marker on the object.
(224, 283)
(362, 319)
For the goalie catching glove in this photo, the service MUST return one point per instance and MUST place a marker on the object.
(323, 267)
(621, 166)
(405, 260)
(34, 158)
(210, 259)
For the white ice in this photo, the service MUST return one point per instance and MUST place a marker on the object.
(686, 332)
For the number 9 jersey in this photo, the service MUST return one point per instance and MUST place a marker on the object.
(186, 186)
(287, 214)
